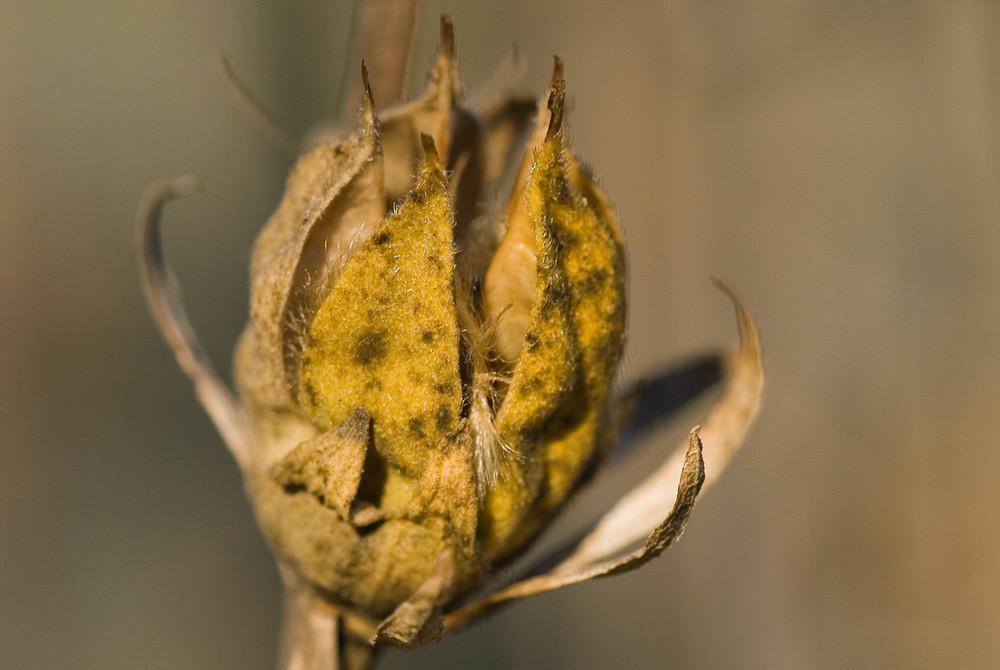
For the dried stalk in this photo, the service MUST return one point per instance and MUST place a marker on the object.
(382, 32)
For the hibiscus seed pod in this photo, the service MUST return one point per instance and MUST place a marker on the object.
(428, 377)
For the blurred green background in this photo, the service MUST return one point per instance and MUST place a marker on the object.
(837, 162)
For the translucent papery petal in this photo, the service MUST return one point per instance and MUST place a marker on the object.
(509, 289)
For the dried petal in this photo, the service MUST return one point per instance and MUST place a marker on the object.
(560, 299)
(662, 536)
(418, 619)
(334, 197)
(329, 466)
(164, 301)
(723, 432)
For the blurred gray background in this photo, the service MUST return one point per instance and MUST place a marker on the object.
(837, 162)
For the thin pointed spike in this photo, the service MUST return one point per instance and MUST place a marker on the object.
(430, 150)
(366, 84)
(256, 110)
(447, 36)
(557, 99)
(165, 304)
(368, 104)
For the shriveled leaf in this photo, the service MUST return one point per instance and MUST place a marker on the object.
(418, 619)
(164, 300)
(663, 535)
(329, 466)
(723, 432)
(333, 198)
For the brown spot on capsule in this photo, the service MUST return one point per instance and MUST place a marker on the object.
(531, 340)
(416, 427)
(371, 347)
(443, 418)
(594, 281)
(311, 396)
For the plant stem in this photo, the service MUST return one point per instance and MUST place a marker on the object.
(315, 635)
(382, 36)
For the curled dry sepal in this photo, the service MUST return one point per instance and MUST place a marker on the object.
(426, 379)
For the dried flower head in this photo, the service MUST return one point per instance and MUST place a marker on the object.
(426, 378)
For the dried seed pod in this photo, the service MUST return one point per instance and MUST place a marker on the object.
(476, 433)
(423, 383)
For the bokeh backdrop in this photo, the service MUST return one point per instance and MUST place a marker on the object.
(838, 162)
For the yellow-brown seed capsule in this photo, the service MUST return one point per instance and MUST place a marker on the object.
(428, 378)
(424, 379)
